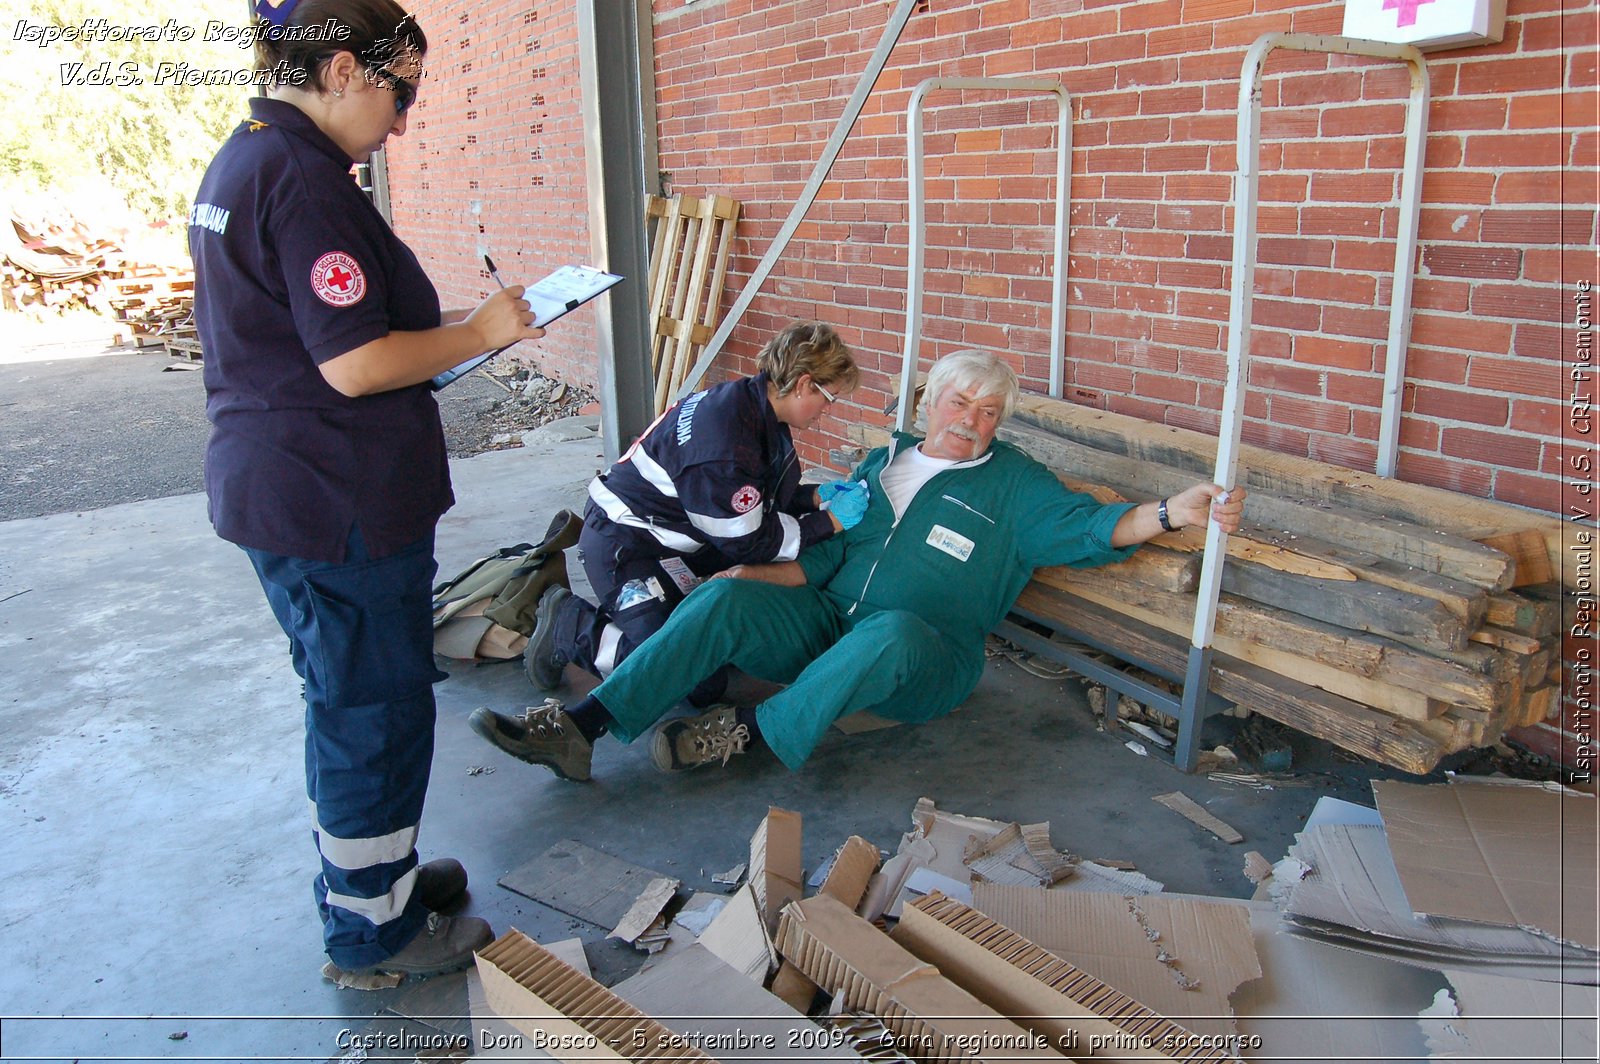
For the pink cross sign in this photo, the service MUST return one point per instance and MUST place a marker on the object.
(1426, 24)
(1407, 9)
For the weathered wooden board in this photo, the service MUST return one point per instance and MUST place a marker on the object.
(1267, 471)
(1396, 540)
(1348, 724)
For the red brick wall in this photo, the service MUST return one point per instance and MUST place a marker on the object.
(748, 91)
(492, 161)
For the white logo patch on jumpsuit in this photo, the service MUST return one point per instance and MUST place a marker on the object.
(954, 544)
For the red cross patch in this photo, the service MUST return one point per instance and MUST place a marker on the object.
(746, 499)
(337, 280)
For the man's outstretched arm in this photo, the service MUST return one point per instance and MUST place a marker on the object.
(1189, 507)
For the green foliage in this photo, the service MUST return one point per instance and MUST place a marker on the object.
(144, 142)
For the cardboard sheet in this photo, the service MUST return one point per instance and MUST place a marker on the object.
(1354, 885)
(739, 936)
(1181, 957)
(775, 870)
(1317, 1002)
(1516, 1019)
(581, 881)
(1495, 854)
(695, 994)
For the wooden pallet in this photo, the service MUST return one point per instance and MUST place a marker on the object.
(691, 240)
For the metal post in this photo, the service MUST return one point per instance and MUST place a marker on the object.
(1198, 678)
(1405, 265)
(918, 226)
(618, 94)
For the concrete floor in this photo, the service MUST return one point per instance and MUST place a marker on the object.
(153, 829)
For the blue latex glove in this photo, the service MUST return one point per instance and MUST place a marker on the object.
(849, 504)
(826, 492)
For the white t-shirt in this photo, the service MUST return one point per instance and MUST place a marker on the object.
(904, 476)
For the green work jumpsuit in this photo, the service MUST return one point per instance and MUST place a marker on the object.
(893, 614)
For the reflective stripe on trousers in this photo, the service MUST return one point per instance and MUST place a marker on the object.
(361, 637)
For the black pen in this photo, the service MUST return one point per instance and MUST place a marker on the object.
(493, 273)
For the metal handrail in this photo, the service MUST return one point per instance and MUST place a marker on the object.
(1246, 189)
(918, 228)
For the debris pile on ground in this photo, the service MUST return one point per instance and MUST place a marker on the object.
(530, 399)
(979, 940)
(56, 262)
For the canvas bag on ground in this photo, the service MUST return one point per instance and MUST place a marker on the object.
(486, 612)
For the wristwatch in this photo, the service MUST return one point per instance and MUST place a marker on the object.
(1161, 515)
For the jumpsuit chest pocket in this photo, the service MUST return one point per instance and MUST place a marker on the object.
(958, 532)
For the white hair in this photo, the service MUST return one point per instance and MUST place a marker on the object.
(966, 370)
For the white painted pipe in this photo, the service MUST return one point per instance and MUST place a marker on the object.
(917, 218)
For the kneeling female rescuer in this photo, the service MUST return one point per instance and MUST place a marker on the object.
(714, 483)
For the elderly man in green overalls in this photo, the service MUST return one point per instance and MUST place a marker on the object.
(889, 616)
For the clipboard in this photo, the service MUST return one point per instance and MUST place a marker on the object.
(565, 290)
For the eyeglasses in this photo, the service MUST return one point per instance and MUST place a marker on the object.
(829, 396)
(405, 92)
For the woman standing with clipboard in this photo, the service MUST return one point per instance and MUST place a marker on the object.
(326, 461)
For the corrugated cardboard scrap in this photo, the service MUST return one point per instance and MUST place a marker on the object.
(1075, 1012)
(1180, 956)
(932, 1018)
(700, 997)
(565, 1013)
(645, 910)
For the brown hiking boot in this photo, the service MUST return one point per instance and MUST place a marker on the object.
(440, 883)
(445, 944)
(715, 735)
(544, 662)
(544, 735)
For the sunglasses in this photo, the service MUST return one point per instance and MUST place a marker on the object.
(829, 396)
(405, 92)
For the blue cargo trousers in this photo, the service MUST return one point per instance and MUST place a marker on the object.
(360, 635)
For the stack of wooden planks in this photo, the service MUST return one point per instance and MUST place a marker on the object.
(1399, 621)
(156, 304)
(51, 263)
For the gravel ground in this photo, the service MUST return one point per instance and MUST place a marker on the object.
(84, 426)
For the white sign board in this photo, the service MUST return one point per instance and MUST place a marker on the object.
(1428, 24)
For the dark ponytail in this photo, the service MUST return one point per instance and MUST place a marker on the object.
(291, 47)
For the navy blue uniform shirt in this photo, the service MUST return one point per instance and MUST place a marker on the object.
(295, 266)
